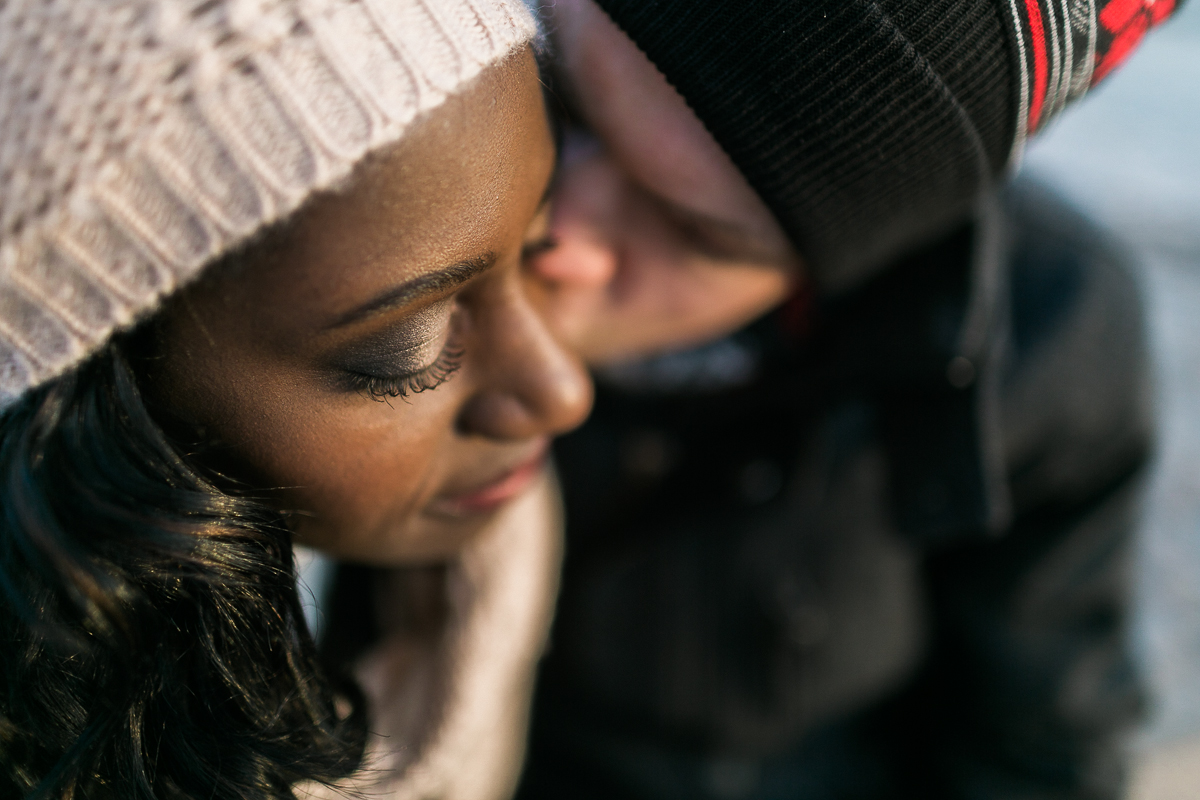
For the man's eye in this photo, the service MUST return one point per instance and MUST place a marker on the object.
(539, 247)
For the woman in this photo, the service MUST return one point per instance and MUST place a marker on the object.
(335, 199)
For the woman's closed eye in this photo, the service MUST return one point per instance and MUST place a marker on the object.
(421, 353)
(382, 388)
(416, 356)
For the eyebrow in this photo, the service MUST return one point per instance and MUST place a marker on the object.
(434, 283)
(749, 244)
(701, 220)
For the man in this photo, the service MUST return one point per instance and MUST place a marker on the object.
(873, 543)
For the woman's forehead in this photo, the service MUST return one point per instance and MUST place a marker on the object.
(465, 181)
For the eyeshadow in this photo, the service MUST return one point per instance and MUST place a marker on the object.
(403, 348)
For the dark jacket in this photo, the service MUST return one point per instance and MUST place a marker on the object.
(869, 548)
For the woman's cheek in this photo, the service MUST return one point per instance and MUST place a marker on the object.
(361, 488)
(351, 474)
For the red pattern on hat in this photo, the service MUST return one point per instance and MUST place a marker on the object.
(1125, 22)
(1066, 47)
(1037, 35)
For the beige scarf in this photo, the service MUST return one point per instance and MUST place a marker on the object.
(449, 709)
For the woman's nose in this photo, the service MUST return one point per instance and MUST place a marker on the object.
(530, 385)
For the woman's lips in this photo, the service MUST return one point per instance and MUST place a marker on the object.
(497, 492)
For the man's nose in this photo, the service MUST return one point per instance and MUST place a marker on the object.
(587, 204)
(530, 385)
(579, 260)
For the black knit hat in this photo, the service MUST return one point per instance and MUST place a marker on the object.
(869, 125)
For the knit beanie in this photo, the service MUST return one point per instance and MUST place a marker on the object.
(868, 126)
(142, 139)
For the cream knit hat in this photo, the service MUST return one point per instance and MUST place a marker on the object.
(140, 139)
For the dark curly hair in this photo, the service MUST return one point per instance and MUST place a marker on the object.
(152, 642)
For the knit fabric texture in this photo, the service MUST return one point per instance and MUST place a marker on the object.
(141, 139)
(869, 126)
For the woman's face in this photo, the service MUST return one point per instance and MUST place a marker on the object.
(383, 371)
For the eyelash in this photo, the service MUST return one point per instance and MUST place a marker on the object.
(448, 362)
(381, 390)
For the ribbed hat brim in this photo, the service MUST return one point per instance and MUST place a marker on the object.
(143, 139)
(869, 125)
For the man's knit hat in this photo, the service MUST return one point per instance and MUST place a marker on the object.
(141, 139)
(869, 125)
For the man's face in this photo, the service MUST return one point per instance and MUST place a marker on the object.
(661, 241)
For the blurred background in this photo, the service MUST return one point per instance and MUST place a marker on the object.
(1130, 156)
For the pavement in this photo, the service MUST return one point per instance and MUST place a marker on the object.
(1130, 156)
(1168, 771)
